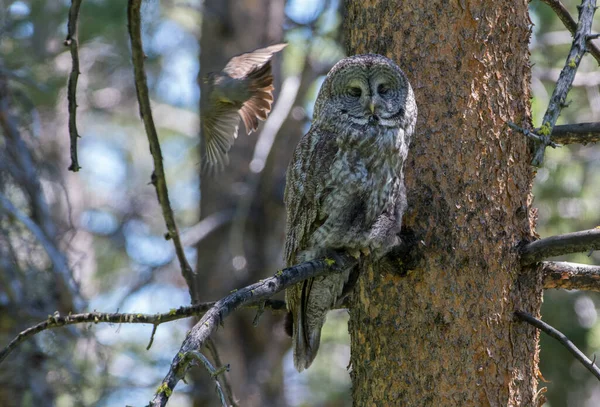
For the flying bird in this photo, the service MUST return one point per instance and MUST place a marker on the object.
(244, 88)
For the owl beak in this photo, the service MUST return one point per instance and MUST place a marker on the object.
(372, 106)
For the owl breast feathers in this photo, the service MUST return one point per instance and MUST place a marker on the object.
(345, 184)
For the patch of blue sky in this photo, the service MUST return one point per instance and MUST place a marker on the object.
(99, 222)
(304, 11)
(149, 250)
(104, 165)
(177, 82)
(19, 9)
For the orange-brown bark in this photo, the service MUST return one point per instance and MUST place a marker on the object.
(444, 335)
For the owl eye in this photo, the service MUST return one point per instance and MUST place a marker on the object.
(355, 91)
(382, 89)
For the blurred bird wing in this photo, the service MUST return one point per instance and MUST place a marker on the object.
(257, 105)
(241, 65)
(219, 128)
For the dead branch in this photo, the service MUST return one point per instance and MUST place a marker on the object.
(565, 80)
(212, 348)
(558, 245)
(158, 176)
(564, 15)
(254, 293)
(214, 373)
(560, 337)
(580, 133)
(57, 320)
(72, 43)
(571, 276)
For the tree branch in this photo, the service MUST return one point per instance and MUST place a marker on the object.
(580, 133)
(558, 245)
(71, 42)
(58, 260)
(565, 80)
(559, 336)
(564, 15)
(212, 348)
(214, 373)
(222, 308)
(571, 276)
(158, 176)
(57, 321)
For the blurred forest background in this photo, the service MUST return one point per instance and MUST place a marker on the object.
(105, 223)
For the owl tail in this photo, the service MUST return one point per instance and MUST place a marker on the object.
(306, 321)
(305, 342)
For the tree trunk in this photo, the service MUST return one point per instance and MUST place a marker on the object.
(445, 334)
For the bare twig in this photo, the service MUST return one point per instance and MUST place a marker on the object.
(56, 321)
(254, 293)
(560, 337)
(571, 276)
(72, 43)
(532, 135)
(558, 245)
(564, 15)
(559, 96)
(158, 176)
(151, 341)
(580, 133)
(214, 373)
(212, 348)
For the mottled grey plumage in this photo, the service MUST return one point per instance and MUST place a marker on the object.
(243, 89)
(345, 184)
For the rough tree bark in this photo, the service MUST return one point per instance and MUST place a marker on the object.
(445, 334)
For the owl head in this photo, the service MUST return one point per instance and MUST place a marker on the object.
(367, 89)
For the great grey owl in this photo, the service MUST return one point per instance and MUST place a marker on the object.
(345, 184)
(243, 89)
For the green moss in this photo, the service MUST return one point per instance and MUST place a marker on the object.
(164, 388)
(545, 130)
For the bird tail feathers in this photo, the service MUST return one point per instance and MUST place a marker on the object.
(305, 343)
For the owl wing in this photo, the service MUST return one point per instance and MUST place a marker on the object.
(306, 188)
